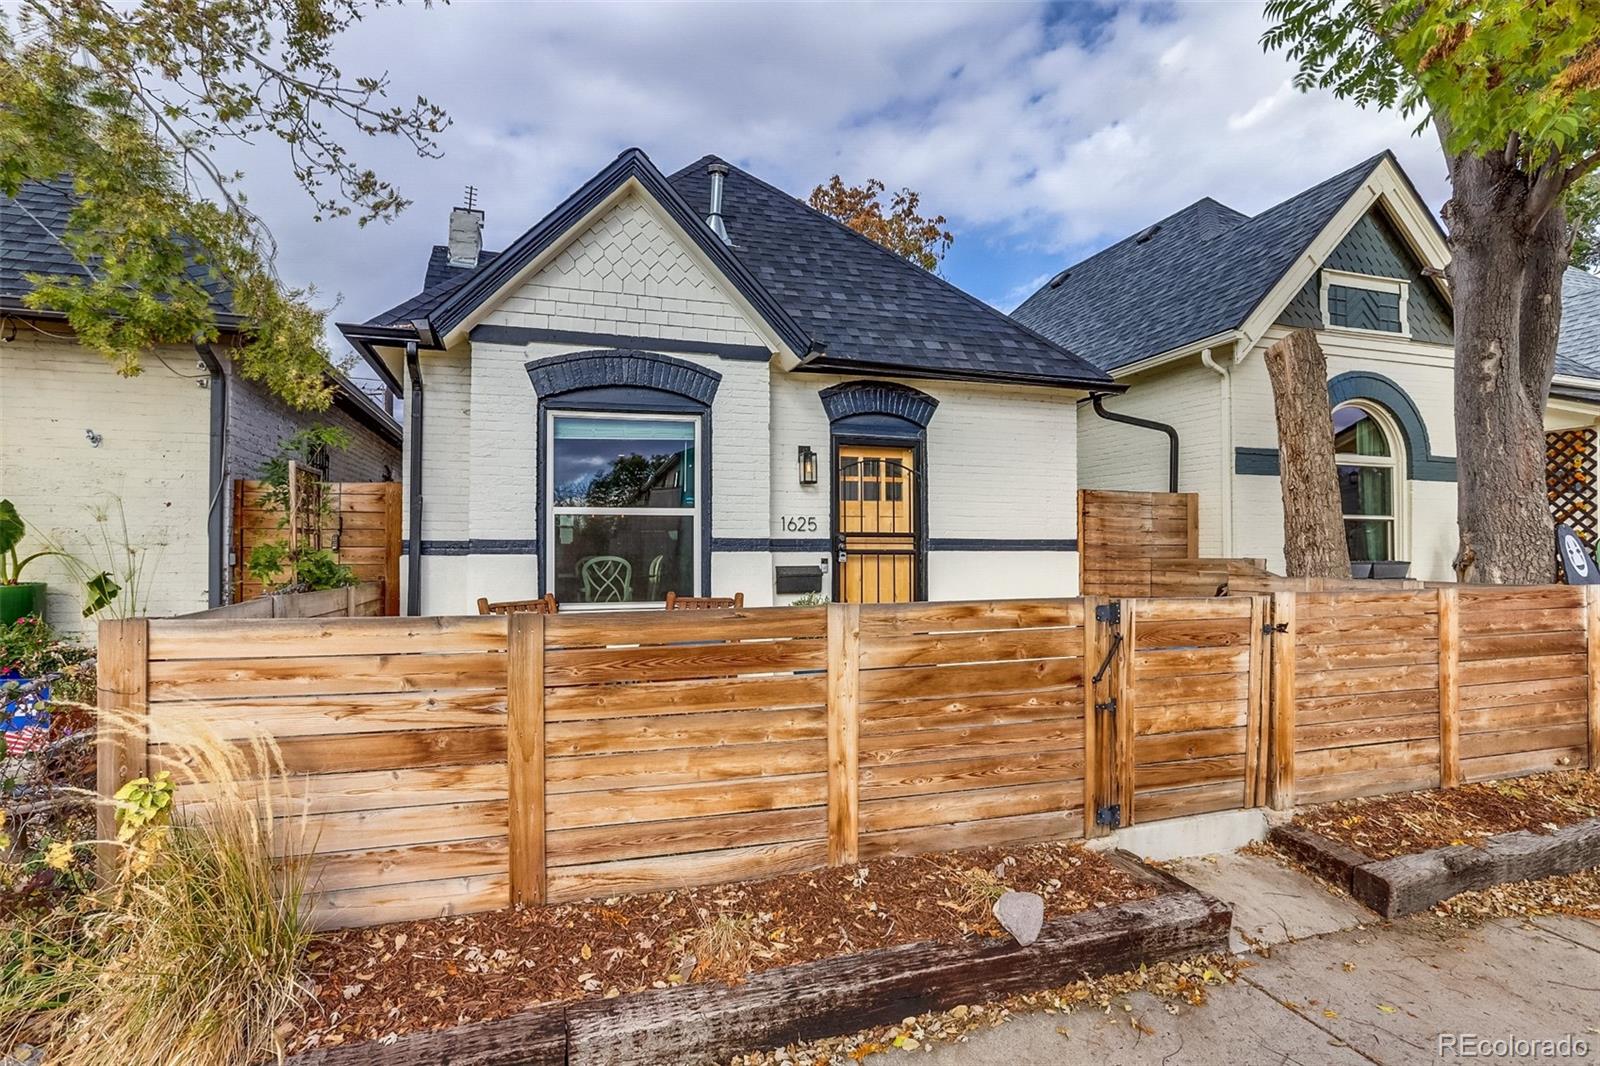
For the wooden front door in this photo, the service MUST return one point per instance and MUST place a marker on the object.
(875, 529)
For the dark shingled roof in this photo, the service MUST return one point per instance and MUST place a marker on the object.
(861, 305)
(1195, 274)
(30, 243)
(441, 269)
(1578, 351)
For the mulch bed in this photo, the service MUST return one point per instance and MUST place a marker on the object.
(433, 974)
(1385, 827)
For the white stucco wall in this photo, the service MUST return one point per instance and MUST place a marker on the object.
(154, 456)
(1002, 459)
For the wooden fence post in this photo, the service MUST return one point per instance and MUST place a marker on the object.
(525, 755)
(122, 729)
(1256, 733)
(391, 549)
(1591, 624)
(1449, 688)
(1093, 649)
(1280, 785)
(844, 732)
(1124, 698)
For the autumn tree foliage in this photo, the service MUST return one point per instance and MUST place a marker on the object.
(1512, 89)
(135, 104)
(900, 227)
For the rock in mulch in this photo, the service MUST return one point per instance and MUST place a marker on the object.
(1021, 914)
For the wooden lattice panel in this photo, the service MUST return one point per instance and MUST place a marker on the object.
(1569, 473)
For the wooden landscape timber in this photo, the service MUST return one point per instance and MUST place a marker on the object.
(361, 600)
(1409, 884)
(712, 1021)
(443, 767)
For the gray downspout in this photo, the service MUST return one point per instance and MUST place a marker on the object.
(1145, 423)
(414, 539)
(216, 556)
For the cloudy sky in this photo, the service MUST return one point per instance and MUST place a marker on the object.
(1043, 133)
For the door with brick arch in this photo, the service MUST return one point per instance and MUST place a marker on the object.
(877, 542)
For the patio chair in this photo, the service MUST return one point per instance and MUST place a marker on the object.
(676, 602)
(606, 579)
(545, 604)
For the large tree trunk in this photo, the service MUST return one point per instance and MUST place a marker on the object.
(1314, 543)
(1506, 533)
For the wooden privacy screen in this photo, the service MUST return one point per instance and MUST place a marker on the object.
(393, 730)
(970, 720)
(699, 753)
(1366, 692)
(1123, 536)
(1523, 676)
(361, 526)
(443, 765)
(1404, 690)
(1147, 544)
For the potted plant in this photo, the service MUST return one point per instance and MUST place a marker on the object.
(18, 598)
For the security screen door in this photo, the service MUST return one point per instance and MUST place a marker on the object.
(875, 525)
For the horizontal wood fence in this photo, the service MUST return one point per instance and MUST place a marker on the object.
(359, 521)
(445, 765)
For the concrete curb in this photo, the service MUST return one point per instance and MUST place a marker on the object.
(1409, 884)
(823, 998)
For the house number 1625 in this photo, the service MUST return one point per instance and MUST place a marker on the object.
(796, 524)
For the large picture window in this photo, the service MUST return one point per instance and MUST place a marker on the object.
(623, 507)
(1369, 475)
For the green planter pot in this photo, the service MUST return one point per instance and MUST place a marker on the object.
(19, 600)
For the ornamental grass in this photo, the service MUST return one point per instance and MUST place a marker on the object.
(191, 950)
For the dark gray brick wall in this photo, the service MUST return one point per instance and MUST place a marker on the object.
(258, 422)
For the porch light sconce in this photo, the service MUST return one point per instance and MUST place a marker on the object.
(808, 466)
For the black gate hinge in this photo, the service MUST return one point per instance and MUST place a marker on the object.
(1109, 612)
(1269, 628)
(1107, 707)
(1109, 814)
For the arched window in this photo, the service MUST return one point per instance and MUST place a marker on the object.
(1371, 468)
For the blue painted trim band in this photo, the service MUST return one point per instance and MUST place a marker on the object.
(1263, 461)
(945, 544)
(492, 334)
(1000, 544)
(1421, 463)
(475, 546)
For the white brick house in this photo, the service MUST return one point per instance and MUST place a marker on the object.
(796, 409)
(1182, 312)
(75, 436)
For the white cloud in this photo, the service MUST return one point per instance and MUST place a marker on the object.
(1048, 136)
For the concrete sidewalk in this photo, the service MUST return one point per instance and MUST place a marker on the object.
(1349, 993)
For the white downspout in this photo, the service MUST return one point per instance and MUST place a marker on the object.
(1225, 454)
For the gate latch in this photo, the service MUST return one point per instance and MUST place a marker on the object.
(1109, 814)
(1269, 628)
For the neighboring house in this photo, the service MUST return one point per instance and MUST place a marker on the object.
(698, 384)
(74, 435)
(1182, 311)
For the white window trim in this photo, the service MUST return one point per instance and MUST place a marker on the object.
(1399, 484)
(552, 511)
(1397, 286)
